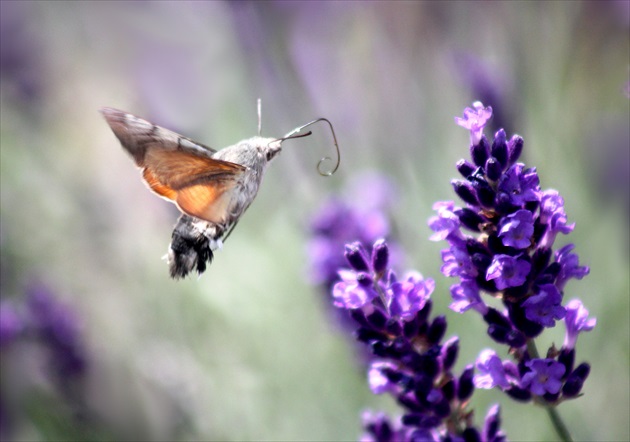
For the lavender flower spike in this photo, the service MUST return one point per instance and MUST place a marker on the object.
(409, 359)
(500, 244)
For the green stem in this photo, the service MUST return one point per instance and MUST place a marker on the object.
(556, 420)
(558, 424)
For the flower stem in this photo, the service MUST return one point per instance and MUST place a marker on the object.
(558, 424)
(556, 420)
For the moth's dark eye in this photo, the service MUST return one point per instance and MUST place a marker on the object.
(271, 154)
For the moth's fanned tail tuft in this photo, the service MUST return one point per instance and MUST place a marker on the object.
(191, 246)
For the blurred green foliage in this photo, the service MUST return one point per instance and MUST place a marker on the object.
(247, 351)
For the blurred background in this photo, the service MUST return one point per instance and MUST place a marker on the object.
(250, 351)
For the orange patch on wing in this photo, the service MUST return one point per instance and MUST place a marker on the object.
(205, 201)
(158, 187)
(178, 169)
(200, 186)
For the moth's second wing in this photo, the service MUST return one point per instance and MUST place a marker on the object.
(201, 187)
(176, 167)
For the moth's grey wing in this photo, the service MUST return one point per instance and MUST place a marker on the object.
(192, 244)
(138, 136)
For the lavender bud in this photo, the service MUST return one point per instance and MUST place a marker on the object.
(553, 269)
(410, 328)
(493, 169)
(517, 315)
(551, 397)
(540, 259)
(475, 247)
(567, 358)
(582, 370)
(480, 152)
(494, 317)
(393, 327)
(426, 363)
(368, 335)
(492, 425)
(485, 194)
(365, 280)
(471, 434)
(470, 219)
(465, 386)
(377, 319)
(465, 191)
(575, 381)
(515, 147)
(442, 408)
(572, 387)
(400, 346)
(515, 294)
(448, 390)
(437, 329)
(519, 394)
(482, 261)
(359, 317)
(498, 333)
(420, 420)
(356, 257)
(504, 204)
(423, 314)
(500, 147)
(380, 256)
(422, 386)
(450, 350)
(465, 168)
(515, 339)
(539, 231)
(380, 349)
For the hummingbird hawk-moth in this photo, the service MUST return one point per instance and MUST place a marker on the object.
(211, 188)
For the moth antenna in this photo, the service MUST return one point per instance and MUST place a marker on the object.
(259, 106)
(294, 134)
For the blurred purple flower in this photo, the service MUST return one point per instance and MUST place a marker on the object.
(57, 327)
(358, 216)
(489, 83)
(11, 323)
(21, 51)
